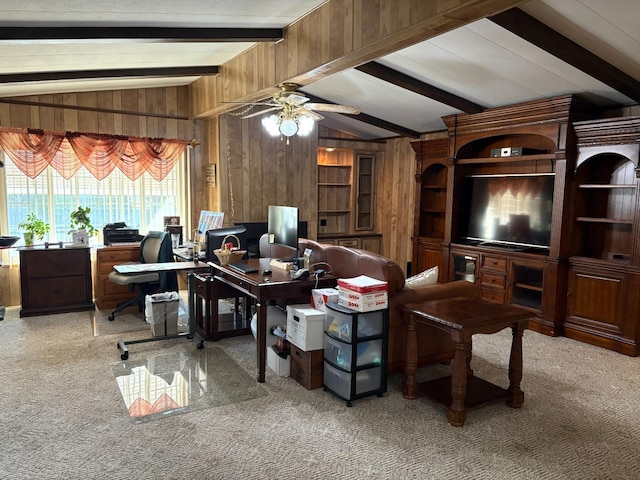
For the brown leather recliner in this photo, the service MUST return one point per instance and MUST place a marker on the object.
(433, 345)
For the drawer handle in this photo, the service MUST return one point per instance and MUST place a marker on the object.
(493, 280)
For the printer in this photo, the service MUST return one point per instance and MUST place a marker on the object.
(120, 233)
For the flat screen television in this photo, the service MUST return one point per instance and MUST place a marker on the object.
(283, 227)
(508, 210)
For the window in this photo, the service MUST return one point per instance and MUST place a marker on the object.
(140, 204)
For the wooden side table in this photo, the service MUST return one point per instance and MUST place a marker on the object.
(463, 317)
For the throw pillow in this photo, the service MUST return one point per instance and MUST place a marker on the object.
(423, 279)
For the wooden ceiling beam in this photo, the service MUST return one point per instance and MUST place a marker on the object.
(370, 120)
(139, 34)
(113, 73)
(402, 80)
(544, 37)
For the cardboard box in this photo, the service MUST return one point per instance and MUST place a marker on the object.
(307, 368)
(321, 296)
(277, 363)
(305, 327)
(363, 302)
(363, 284)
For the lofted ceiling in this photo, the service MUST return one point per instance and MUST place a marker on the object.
(542, 49)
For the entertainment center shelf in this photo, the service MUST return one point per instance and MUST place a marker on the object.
(584, 284)
(509, 160)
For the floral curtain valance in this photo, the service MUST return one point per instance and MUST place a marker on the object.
(33, 150)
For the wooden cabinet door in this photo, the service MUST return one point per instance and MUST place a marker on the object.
(596, 306)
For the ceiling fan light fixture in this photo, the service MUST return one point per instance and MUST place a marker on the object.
(305, 125)
(288, 127)
(271, 124)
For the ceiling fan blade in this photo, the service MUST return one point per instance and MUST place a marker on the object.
(266, 110)
(330, 107)
(309, 113)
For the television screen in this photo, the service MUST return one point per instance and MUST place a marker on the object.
(509, 209)
(283, 227)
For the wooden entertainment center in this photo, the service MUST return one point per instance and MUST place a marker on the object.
(582, 283)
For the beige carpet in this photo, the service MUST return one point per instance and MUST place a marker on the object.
(62, 417)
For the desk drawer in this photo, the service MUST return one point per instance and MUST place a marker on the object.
(491, 295)
(107, 258)
(494, 279)
(494, 263)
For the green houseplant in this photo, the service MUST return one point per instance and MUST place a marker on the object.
(80, 221)
(33, 228)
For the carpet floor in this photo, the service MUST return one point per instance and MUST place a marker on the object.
(63, 417)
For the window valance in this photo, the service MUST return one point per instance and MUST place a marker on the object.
(33, 150)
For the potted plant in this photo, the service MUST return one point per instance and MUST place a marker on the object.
(81, 227)
(33, 228)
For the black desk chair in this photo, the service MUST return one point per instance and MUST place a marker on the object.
(154, 248)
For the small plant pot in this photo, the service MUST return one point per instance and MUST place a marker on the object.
(28, 239)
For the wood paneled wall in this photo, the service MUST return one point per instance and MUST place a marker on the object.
(150, 112)
(256, 170)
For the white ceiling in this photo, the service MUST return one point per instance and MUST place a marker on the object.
(481, 62)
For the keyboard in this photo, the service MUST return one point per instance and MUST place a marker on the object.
(242, 267)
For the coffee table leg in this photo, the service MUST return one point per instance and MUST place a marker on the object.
(411, 359)
(457, 413)
(516, 395)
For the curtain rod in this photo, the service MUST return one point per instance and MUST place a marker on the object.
(90, 109)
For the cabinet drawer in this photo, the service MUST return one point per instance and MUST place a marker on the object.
(56, 291)
(494, 263)
(349, 242)
(110, 288)
(107, 259)
(490, 295)
(56, 263)
(492, 279)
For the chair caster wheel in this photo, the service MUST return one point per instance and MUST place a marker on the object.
(111, 318)
(200, 345)
(124, 356)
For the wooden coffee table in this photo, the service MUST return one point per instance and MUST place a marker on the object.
(463, 317)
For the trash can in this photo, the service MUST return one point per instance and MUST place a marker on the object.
(161, 312)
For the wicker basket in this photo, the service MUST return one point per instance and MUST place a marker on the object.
(227, 257)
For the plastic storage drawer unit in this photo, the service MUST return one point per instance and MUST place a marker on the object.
(367, 353)
(338, 322)
(355, 352)
(340, 383)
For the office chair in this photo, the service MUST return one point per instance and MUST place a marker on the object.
(155, 247)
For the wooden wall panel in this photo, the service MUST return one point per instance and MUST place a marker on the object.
(264, 171)
(349, 33)
(120, 112)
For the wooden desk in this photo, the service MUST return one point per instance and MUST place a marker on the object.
(264, 289)
(134, 268)
(463, 317)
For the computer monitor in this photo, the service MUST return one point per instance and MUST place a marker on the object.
(215, 237)
(283, 227)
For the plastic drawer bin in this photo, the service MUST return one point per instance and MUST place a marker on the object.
(339, 353)
(338, 322)
(339, 382)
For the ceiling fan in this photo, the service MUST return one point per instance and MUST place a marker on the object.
(296, 112)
